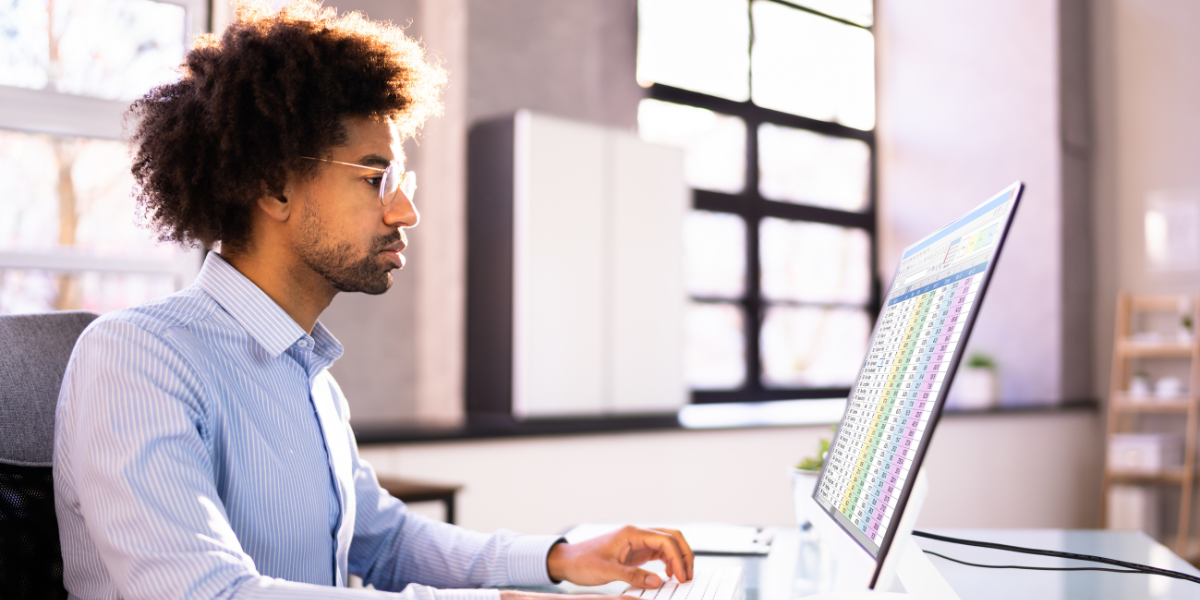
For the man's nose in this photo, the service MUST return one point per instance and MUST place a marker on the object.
(402, 212)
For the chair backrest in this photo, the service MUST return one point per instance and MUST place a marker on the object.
(34, 350)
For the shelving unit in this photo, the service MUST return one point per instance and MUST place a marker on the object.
(1126, 412)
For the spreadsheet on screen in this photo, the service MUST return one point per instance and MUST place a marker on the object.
(916, 336)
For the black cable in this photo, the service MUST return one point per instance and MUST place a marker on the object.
(971, 564)
(1057, 554)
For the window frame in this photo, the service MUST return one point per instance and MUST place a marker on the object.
(49, 112)
(752, 207)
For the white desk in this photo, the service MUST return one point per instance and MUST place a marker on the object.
(797, 564)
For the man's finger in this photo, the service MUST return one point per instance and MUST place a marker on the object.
(641, 578)
(689, 557)
(669, 548)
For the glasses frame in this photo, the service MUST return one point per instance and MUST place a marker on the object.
(406, 184)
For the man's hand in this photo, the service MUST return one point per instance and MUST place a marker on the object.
(616, 557)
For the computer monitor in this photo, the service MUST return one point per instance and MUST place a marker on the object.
(869, 493)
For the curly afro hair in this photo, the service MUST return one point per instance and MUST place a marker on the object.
(274, 87)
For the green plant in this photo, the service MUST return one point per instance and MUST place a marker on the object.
(1187, 322)
(815, 464)
(979, 360)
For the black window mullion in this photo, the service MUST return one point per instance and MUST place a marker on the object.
(724, 396)
(790, 4)
(753, 302)
(875, 298)
(730, 203)
(752, 207)
(748, 110)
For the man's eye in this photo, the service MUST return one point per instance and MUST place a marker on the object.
(374, 181)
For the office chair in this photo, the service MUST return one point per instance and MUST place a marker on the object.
(34, 350)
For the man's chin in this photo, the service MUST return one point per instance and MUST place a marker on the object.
(373, 287)
(366, 278)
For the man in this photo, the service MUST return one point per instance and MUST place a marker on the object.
(202, 448)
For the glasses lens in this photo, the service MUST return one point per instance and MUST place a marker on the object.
(408, 185)
(388, 186)
(393, 182)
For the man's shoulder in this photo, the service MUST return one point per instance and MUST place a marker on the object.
(161, 317)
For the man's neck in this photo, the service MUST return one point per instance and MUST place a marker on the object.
(297, 289)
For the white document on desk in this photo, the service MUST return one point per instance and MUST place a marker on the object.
(704, 538)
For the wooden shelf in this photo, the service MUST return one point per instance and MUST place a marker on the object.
(1172, 476)
(1148, 404)
(1129, 347)
(1190, 551)
(1168, 303)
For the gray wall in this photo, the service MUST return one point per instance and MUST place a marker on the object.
(403, 361)
(567, 58)
(571, 59)
(378, 370)
(1012, 102)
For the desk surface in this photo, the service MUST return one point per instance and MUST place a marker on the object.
(797, 562)
(1132, 546)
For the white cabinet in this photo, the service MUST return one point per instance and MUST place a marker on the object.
(591, 263)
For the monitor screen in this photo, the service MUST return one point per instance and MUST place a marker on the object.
(918, 341)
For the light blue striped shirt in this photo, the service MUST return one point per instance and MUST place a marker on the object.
(203, 450)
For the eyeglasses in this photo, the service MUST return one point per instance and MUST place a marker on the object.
(389, 183)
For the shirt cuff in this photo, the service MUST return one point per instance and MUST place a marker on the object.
(527, 560)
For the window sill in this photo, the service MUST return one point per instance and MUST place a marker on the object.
(783, 413)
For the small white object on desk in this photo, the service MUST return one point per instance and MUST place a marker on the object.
(975, 388)
(803, 484)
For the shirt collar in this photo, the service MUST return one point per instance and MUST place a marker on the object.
(257, 313)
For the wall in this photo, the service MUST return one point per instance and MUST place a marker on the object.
(996, 116)
(1010, 104)
(379, 370)
(404, 350)
(1147, 128)
(569, 59)
(971, 97)
(1019, 470)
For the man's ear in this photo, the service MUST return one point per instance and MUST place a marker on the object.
(276, 206)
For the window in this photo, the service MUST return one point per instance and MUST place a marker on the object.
(69, 233)
(773, 104)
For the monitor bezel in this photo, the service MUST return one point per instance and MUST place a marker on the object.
(1015, 191)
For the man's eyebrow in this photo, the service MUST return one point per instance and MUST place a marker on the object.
(374, 160)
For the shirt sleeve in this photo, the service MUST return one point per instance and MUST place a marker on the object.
(393, 547)
(133, 459)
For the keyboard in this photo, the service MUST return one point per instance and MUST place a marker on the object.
(723, 583)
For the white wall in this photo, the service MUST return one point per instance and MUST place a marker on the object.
(1147, 129)
(969, 101)
(1017, 470)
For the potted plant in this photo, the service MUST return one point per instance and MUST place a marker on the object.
(976, 387)
(804, 478)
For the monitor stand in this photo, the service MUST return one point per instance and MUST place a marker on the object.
(905, 561)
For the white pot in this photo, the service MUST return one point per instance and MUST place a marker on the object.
(803, 485)
(975, 388)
